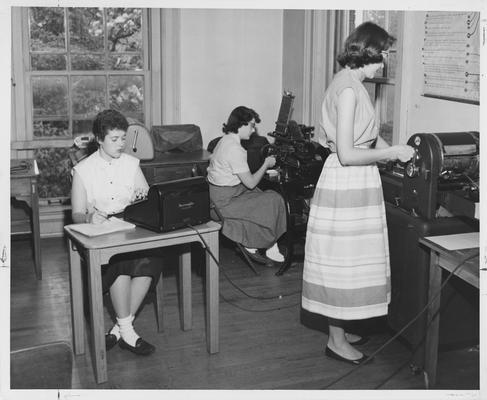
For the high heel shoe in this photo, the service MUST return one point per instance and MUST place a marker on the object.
(330, 353)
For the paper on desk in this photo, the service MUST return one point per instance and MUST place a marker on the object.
(112, 225)
(457, 241)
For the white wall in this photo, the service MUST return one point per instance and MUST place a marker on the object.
(230, 58)
(425, 114)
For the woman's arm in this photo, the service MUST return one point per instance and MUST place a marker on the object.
(252, 180)
(350, 155)
(140, 185)
(79, 204)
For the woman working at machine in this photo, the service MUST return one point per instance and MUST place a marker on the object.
(346, 272)
(253, 217)
(104, 184)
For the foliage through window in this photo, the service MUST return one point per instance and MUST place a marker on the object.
(82, 61)
(381, 87)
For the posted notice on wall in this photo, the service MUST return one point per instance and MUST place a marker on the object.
(451, 55)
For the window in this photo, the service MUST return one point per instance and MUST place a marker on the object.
(79, 61)
(382, 87)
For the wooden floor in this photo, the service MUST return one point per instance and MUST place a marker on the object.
(264, 344)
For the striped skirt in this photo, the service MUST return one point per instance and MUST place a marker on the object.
(346, 266)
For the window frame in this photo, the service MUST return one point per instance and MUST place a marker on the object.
(23, 72)
(380, 104)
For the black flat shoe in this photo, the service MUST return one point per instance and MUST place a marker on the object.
(361, 341)
(142, 348)
(330, 353)
(258, 258)
(110, 341)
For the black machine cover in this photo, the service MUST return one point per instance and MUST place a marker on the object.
(172, 205)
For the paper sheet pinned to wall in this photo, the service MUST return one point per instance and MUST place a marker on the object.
(456, 242)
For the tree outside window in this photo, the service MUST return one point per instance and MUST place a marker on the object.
(81, 61)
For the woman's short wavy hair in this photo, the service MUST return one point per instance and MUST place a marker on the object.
(107, 120)
(239, 117)
(364, 46)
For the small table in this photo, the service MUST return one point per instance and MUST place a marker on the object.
(97, 251)
(23, 187)
(448, 260)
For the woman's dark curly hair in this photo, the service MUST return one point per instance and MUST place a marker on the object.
(364, 46)
(239, 117)
(107, 120)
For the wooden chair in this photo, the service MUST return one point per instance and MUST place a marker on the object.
(217, 216)
(136, 133)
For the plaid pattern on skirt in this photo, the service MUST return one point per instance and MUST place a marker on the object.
(346, 266)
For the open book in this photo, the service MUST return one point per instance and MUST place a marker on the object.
(111, 225)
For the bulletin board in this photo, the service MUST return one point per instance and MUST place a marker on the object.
(451, 56)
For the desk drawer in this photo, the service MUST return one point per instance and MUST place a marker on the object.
(20, 187)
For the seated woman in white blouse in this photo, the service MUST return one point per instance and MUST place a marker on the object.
(253, 217)
(103, 185)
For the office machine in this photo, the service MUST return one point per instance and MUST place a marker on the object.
(435, 193)
(443, 172)
(297, 155)
(172, 205)
(299, 161)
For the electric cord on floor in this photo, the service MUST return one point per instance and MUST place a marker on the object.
(370, 357)
(261, 310)
(275, 297)
(418, 345)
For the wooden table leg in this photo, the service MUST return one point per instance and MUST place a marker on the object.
(431, 354)
(160, 303)
(77, 306)
(212, 294)
(36, 230)
(185, 289)
(97, 318)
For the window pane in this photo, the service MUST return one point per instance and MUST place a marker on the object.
(88, 95)
(391, 64)
(125, 62)
(370, 90)
(124, 27)
(50, 96)
(82, 127)
(51, 128)
(48, 62)
(86, 29)
(87, 62)
(127, 95)
(46, 29)
(377, 17)
(54, 172)
(387, 112)
(393, 24)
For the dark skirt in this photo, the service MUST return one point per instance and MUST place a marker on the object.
(138, 263)
(254, 218)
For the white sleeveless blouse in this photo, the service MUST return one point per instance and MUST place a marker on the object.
(110, 186)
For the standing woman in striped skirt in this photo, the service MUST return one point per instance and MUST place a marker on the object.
(346, 267)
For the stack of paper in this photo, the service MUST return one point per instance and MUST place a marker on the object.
(111, 225)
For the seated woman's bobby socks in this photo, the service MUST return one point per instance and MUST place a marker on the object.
(272, 252)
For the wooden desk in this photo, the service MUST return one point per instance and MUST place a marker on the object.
(97, 251)
(23, 187)
(448, 260)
